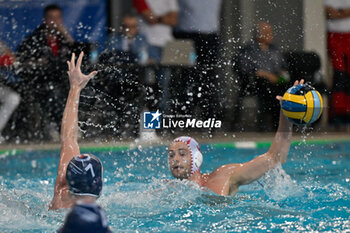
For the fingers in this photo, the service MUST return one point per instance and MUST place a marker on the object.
(92, 74)
(72, 61)
(71, 64)
(297, 82)
(80, 59)
(279, 97)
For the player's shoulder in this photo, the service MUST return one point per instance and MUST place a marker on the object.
(224, 170)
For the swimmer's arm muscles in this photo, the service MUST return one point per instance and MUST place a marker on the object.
(69, 127)
(69, 140)
(281, 143)
(70, 147)
(248, 172)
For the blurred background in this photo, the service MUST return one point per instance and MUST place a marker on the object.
(224, 60)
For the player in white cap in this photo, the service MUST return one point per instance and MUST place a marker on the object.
(185, 160)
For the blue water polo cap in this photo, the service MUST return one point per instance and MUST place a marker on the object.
(85, 218)
(84, 175)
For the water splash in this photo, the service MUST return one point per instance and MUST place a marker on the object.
(278, 185)
(154, 198)
(135, 200)
(29, 210)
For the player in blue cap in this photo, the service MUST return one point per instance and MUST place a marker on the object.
(79, 176)
(85, 218)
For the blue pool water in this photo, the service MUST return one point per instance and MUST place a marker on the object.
(310, 193)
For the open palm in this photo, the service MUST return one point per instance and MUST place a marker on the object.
(76, 77)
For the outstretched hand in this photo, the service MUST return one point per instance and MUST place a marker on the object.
(295, 83)
(76, 78)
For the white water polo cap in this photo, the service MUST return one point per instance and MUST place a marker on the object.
(196, 155)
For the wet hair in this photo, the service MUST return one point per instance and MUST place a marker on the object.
(51, 7)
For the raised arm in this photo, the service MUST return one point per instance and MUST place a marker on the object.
(250, 171)
(69, 129)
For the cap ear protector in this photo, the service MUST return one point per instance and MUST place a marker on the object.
(84, 175)
(196, 155)
(197, 159)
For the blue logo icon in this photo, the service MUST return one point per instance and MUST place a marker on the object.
(151, 120)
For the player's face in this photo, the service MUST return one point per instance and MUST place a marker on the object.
(179, 157)
(53, 18)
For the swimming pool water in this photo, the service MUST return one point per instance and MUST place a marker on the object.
(310, 193)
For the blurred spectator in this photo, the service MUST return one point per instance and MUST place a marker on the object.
(158, 18)
(338, 25)
(9, 99)
(7, 58)
(43, 55)
(51, 40)
(199, 20)
(128, 45)
(260, 66)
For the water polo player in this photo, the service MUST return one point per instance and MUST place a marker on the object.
(79, 176)
(185, 160)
